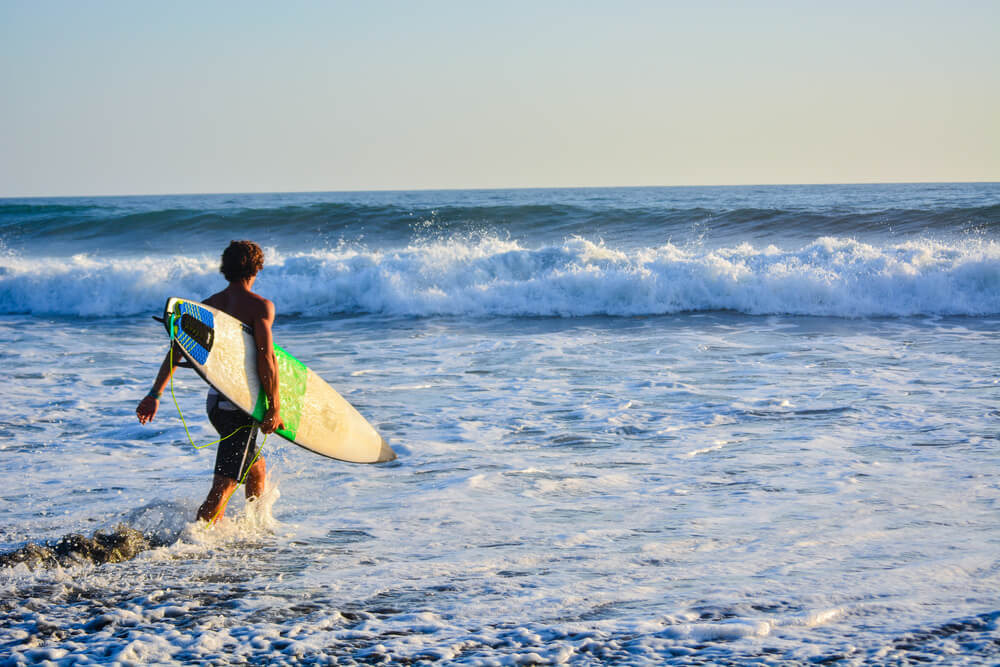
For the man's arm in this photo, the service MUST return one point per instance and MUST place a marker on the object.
(148, 405)
(267, 368)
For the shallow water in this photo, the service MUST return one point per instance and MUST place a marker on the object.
(697, 488)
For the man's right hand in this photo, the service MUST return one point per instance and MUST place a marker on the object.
(147, 409)
(271, 421)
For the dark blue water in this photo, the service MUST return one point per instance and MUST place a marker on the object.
(619, 216)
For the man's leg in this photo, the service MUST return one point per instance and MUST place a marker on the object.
(215, 504)
(256, 479)
(237, 446)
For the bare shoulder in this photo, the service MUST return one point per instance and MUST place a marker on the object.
(263, 309)
(216, 300)
(265, 305)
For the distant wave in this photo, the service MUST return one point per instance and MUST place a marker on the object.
(155, 226)
(490, 276)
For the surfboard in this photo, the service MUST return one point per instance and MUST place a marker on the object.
(222, 350)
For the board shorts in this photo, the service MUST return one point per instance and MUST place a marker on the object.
(238, 447)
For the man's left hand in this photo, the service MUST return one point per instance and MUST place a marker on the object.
(147, 409)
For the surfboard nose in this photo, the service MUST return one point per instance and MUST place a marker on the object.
(385, 454)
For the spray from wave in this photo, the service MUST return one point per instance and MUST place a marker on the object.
(151, 526)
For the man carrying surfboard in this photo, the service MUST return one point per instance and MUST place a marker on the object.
(238, 457)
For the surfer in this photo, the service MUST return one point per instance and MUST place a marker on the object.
(237, 457)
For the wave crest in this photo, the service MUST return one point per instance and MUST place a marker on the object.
(489, 276)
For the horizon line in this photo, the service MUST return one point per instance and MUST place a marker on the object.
(494, 189)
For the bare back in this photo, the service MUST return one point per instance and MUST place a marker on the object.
(243, 304)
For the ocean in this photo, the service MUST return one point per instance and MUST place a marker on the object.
(637, 426)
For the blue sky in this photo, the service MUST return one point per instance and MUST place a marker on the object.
(135, 98)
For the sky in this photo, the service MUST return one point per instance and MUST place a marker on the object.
(105, 98)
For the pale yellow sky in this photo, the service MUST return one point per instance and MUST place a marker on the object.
(132, 98)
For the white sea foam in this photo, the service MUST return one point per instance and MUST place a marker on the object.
(489, 276)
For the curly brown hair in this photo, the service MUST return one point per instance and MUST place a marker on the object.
(241, 260)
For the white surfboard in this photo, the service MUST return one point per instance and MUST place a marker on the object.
(221, 349)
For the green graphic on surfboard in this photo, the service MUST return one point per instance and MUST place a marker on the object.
(291, 388)
(221, 349)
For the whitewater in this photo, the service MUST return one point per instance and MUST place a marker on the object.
(634, 426)
(490, 277)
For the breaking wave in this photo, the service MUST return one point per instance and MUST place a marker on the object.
(489, 276)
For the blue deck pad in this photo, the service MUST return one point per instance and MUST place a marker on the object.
(191, 346)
